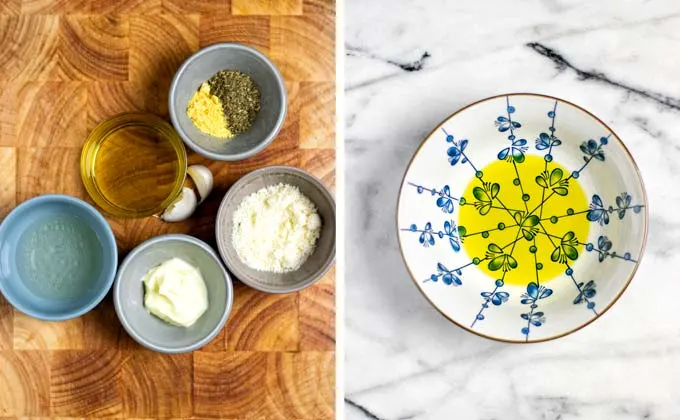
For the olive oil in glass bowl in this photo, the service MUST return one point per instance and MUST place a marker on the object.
(133, 165)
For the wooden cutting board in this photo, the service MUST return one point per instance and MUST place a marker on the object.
(67, 64)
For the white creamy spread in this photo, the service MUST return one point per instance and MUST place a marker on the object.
(175, 292)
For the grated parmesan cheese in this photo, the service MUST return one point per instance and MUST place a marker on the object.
(275, 229)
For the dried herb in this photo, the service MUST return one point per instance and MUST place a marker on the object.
(240, 98)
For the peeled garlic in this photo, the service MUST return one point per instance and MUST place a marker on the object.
(203, 180)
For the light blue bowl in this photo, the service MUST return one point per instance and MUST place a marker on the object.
(17, 229)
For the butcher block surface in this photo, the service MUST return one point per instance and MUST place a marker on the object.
(65, 65)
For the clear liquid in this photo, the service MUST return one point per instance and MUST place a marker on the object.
(59, 257)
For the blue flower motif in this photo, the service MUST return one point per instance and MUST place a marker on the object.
(451, 231)
(514, 152)
(504, 123)
(445, 201)
(604, 245)
(449, 277)
(598, 213)
(456, 151)
(426, 237)
(586, 292)
(593, 149)
(427, 234)
(534, 293)
(497, 298)
(546, 141)
(535, 318)
(623, 203)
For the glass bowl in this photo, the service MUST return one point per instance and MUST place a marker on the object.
(133, 165)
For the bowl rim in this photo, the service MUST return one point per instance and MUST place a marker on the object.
(222, 243)
(173, 112)
(644, 201)
(98, 135)
(109, 239)
(122, 317)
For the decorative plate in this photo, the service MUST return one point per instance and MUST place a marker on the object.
(522, 218)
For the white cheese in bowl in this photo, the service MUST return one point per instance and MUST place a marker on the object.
(276, 229)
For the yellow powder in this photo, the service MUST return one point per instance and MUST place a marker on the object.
(205, 110)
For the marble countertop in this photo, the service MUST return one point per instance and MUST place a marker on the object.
(409, 65)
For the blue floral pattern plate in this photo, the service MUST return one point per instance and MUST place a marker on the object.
(522, 218)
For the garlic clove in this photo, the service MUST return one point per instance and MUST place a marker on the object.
(203, 180)
(182, 207)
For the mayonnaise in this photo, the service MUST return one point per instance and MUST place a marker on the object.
(175, 292)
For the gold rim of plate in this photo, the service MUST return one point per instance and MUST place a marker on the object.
(101, 133)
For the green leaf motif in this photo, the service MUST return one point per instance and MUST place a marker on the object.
(496, 263)
(570, 252)
(532, 220)
(485, 209)
(480, 194)
(540, 180)
(518, 216)
(561, 191)
(555, 256)
(566, 250)
(530, 233)
(556, 176)
(494, 249)
(495, 189)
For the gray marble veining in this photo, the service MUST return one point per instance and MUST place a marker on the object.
(411, 64)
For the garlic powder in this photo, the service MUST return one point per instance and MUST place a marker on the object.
(275, 229)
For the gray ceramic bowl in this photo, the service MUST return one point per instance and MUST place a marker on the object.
(316, 265)
(150, 331)
(200, 67)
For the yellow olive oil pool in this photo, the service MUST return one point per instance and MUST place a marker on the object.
(529, 220)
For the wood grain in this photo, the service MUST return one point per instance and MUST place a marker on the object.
(24, 383)
(10, 7)
(106, 99)
(317, 115)
(319, 7)
(6, 325)
(85, 383)
(317, 162)
(65, 66)
(205, 7)
(251, 30)
(8, 114)
(159, 45)
(29, 47)
(157, 383)
(262, 321)
(34, 334)
(229, 385)
(109, 7)
(317, 315)
(266, 7)
(45, 7)
(8, 180)
(48, 171)
(303, 48)
(300, 385)
(51, 114)
(94, 47)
